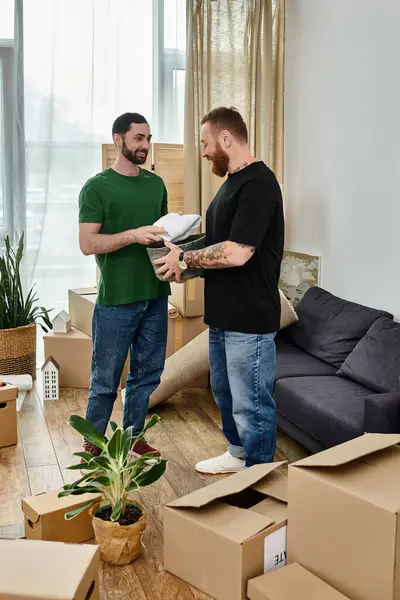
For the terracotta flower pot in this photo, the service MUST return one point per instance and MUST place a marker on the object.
(119, 544)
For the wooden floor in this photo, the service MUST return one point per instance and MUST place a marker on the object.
(189, 431)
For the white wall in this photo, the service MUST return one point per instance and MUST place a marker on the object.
(342, 144)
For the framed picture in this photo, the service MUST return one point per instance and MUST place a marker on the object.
(298, 273)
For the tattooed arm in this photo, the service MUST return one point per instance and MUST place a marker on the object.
(220, 256)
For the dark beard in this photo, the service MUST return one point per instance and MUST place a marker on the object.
(220, 162)
(132, 156)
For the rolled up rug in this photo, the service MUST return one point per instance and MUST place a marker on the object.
(193, 242)
(182, 368)
(173, 313)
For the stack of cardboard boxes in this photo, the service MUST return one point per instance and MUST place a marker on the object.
(73, 350)
(335, 520)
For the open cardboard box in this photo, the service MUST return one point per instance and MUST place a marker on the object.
(44, 518)
(222, 535)
(8, 415)
(293, 582)
(344, 515)
(31, 570)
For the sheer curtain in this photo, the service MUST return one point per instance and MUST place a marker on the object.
(86, 63)
(235, 58)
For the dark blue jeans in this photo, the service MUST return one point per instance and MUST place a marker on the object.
(142, 328)
(242, 379)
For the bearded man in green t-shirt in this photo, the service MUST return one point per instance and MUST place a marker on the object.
(116, 210)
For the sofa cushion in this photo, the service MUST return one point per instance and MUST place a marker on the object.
(288, 314)
(375, 361)
(329, 327)
(293, 362)
(328, 408)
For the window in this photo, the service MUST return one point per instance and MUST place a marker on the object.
(6, 74)
(79, 75)
(6, 20)
(169, 18)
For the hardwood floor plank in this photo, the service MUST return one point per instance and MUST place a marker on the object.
(35, 438)
(13, 475)
(45, 479)
(120, 583)
(10, 510)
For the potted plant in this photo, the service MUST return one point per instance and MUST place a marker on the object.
(18, 316)
(118, 521)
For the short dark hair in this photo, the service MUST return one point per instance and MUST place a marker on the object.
(229, 119)
(122, 123)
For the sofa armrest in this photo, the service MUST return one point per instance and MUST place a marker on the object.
(382, 413)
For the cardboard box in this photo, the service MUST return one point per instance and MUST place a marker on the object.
(73, 352)
(293, 582)
(81, 305)
(44, 518)
(344, 515)
(220, 536)
(182, 330)
(188, 297)
(8, 415)
(32, 570)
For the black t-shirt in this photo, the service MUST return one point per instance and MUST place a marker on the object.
(248, 209)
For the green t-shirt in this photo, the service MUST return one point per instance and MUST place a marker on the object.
(120, 203)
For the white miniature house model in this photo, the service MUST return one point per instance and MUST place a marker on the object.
(61, 322)
(50, 379)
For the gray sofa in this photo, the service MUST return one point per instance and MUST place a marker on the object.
(338, 371)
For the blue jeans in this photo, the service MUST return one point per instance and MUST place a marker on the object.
(242, 379)
(142, 328)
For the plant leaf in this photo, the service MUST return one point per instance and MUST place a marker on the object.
(87, 431)
(85, 455)
(133, 486)
(150, 423)
(101, 480)
(153, 474)
(80, 466)
(100, 461)
(114, 445)
(113, 426)
(75, 484)
(77, 511)
(126, 443)
(116, 513)
(142, 460)
(89, 489)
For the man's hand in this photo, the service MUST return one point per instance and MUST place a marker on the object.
(148, 235)
(169, 263)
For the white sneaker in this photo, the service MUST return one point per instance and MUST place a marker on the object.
(226, 463)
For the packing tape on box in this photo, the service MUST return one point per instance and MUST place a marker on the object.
(191, 290)
(178, 342)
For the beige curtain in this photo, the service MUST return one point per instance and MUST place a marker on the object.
(235, 52)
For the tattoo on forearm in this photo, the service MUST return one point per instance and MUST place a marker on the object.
(213, 257)
(251, 248)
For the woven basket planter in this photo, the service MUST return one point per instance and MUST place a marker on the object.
(18, 351)
(193, 242)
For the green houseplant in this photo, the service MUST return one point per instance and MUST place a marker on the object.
(118, 521)
(18, 316)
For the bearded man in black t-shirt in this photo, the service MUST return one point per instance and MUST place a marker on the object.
(244, 237)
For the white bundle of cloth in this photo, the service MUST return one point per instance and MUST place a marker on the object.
(179, 227)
